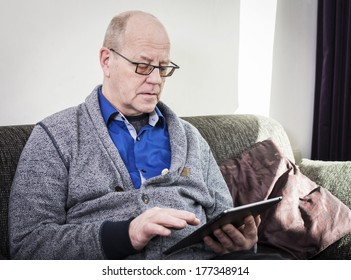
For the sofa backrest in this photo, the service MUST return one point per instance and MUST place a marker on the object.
(229, 135)
(12, 141)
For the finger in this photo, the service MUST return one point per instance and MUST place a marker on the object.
(164, 219)
(234, 239)
(139, 238)
(231, 237)
(150, 230)
(250, 229)
(226, 236)
(216, 247)
(258, 220)
(142, 229)
(169, 221)
(248, 220)
(157, 221)
(188, 217)
(156, 229)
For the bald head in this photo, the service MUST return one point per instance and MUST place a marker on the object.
(136, 25)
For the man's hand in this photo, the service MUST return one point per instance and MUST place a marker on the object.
(158, 221)
(231, 239)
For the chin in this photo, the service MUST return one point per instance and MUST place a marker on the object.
(149, 108)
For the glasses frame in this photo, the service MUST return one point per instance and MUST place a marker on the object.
(173, 67)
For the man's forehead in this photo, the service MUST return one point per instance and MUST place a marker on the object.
(147, 53)
(145, 28)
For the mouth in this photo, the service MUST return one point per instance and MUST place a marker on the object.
(148, 94)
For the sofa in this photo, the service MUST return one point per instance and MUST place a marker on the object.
(228, 136)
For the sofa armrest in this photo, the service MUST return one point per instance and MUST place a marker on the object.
(336, 177)
(332, 175)
(12, 141)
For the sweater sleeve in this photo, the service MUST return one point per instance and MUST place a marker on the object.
(38, 227)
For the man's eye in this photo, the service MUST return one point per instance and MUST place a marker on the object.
(143, 66)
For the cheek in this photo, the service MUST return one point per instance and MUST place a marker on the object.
(129, 88)
(125, 82)
(161, 87)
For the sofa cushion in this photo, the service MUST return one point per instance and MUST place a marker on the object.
(305, 222)
(251, 176)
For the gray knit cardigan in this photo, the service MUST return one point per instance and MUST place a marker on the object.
(66, 181)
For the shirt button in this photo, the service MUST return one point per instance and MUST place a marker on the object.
(138, 138)
(145, 198)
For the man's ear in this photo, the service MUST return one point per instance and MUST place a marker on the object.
(105, 54)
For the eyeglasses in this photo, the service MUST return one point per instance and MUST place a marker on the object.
(146, 69)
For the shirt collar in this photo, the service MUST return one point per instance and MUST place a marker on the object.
(156, 117)
(109, 112)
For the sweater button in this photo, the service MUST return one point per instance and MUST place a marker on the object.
(145, 198)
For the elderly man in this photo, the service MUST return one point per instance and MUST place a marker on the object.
(120, 175)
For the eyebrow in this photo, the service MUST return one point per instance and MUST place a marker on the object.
(149, 60)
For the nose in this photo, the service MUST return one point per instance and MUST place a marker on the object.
(154, 77)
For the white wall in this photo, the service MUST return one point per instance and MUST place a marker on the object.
(49, 57)
(256, 41)
(293, 76)
(49, 53)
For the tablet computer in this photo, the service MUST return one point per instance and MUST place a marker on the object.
(233, 216)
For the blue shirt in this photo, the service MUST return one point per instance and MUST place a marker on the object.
(146, 154)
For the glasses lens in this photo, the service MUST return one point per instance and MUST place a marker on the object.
(144, 69)
(165, 71)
